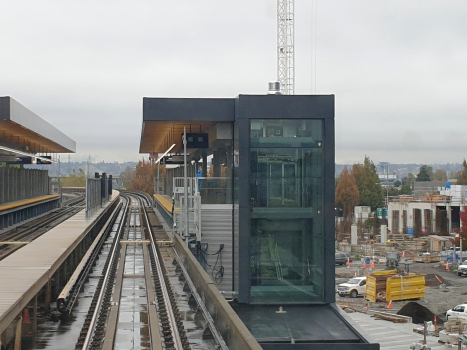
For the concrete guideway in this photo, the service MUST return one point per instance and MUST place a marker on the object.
(24, 273)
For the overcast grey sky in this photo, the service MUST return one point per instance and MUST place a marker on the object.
(398, 68)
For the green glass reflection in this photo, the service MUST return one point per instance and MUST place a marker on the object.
(286, 182)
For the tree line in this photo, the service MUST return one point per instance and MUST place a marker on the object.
(360, 185)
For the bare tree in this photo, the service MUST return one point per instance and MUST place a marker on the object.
(347, 195)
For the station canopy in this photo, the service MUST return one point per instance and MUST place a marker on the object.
(165, 118)
(26, 132)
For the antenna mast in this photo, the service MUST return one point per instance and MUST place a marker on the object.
(285, 46)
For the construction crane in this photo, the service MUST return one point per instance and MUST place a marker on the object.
(285, 46)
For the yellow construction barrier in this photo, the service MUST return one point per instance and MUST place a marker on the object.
(387, 285)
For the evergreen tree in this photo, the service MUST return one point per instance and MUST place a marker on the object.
(407, 182)
(370, 190)
(462, 177)
(424, 174)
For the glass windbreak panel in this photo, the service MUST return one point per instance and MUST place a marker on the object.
(286, 177)
(286, 186)
(286, 260)
(215, 190)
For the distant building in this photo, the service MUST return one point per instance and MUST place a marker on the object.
(387, 179)
(423, 187)
(362, 212)
(437, 211)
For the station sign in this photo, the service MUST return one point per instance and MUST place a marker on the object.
(23, 160)
(197, 140)
(177, 159)
(41, 161)
(19, 160)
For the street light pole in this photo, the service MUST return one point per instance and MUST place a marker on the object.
(187, 223)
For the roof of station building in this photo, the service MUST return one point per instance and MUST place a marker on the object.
(165, 118)
(26, 131)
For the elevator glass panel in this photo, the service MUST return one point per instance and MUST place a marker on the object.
(286, 182)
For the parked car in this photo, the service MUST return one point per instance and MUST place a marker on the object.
(341, 258)
(354, 287)
(459, 310)
(462, 269)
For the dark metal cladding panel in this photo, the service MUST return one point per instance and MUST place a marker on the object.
(328, 199)
(285, 106)
(188, 109)
(5, 108)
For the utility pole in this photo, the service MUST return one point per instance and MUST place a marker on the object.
(285, 46)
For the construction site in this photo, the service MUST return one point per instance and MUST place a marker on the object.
(406, 271)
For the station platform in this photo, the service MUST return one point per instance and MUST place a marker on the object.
(164, 204)
(13, 213)
(24, 273)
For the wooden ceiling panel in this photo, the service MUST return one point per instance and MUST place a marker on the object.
(158, 136)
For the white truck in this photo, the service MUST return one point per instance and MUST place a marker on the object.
(354, 287)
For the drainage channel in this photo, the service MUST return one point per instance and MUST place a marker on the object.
(128, 326)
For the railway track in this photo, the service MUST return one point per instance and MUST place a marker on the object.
(14, 239)
(143, 299)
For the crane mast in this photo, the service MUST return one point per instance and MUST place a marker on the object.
(285, 46)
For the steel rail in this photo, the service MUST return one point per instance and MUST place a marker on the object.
(64, 303)
(173, 323)
(115, 300)
(116, 244)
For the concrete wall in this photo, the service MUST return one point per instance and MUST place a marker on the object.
(232, 329)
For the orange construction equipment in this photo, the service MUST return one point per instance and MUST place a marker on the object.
(355, 274)
(348, 262)
(26, 319)
(447, 266)
(403, 254)
(372, 264)
(389, 305)
(368, 308)
(364, 264)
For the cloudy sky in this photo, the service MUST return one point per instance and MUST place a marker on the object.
(398, 68)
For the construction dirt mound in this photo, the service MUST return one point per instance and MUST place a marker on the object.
(419, 313)
(434, 280)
